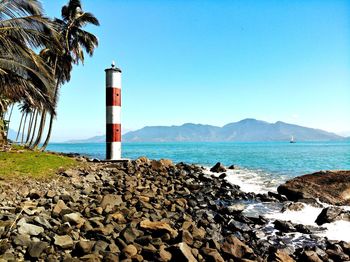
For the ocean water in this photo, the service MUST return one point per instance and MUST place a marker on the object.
(261, 167)
(276, 159)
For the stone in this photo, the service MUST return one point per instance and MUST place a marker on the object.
(331, 214)
(74, 218)
(130, 234)
(231, 167)
(294, 206)
(332, 187)
(161, 165)
(130, 250)
(280, 256)
(63, 242)
(59, 207)
(35, 249)
(43, 222)
(186, 237)
(284, 226)
(22, 240)
(111, 200)
(84, 247)
(119, 218)
(310, 256)
(236, 248)
(218, 168)
(182, 252)
(164, 255)
(211, 254)
(158, 226)
(235, 209)
(30, 229)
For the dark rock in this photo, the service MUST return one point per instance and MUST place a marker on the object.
(231, 167)
(235, 248)
(218, 168)
(284, 226)
(182, 252)
(331, 187)
(310, 256)
(280, 256)
(83, 247)
(35, 249)
(331, 214)
(211, 254)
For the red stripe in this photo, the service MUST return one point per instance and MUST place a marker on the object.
(113, 96)
(113, 133)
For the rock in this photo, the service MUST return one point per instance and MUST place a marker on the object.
(310, 256)
(284, 226)
(130, 250)
(161, 165)
(22, 240)
(130, 234)
(59, 207)
(164, 255)
(74, 218)
(43, 222)
(198, 233)
(222, 176)
(111, 200)
(182, 252)
(236, 248)
(331, 214)
(30, 229)
(84, 247)
(231, 167)
(64, 242)
(294, 206)
(35, 249)
(218, 168)
(235, 209)
(331, 187)
(158, 226)
(211, 254)
(280, 256)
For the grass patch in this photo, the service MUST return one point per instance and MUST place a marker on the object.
(34, 164)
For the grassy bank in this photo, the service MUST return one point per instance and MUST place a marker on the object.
(25, 163)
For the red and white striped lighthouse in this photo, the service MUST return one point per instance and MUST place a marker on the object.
(113, 113)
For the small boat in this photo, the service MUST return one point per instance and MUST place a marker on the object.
(292, 140)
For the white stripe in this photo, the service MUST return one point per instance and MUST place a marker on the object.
(113, 115)
(114, 150)
(113, 79)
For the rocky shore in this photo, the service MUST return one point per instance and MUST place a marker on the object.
(146, 210)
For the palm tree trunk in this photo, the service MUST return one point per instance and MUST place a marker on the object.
(48, 136)
(34, 129)
(40, 131)
(20, 125)
(24, 125)
(30, 125)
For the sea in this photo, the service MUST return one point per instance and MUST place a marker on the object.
(259, 167)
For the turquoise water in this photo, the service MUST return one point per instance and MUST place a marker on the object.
(273, 158)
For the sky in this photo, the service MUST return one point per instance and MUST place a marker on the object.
(212, 62)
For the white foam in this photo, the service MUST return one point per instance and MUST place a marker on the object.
(248, 180)
(260, 182)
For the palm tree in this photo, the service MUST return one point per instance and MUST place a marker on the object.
(75, 41)
(23, 74)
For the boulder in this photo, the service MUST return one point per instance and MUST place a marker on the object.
(280, 256)
(235, 248)
(310, 256)
(294, 206)
(111, 200)
(29, 229)
(331, 187)
(182, 252)
(63, 242)
(35, 249)
(212, 254)
(218, 168)
(158, 226)
(331, 214)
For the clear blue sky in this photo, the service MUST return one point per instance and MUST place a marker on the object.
(213, 62)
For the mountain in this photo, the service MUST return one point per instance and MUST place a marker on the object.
(247, 130)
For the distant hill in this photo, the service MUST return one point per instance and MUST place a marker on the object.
(95, 139)
(247, 130)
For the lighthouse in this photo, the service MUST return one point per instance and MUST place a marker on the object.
(113, 113)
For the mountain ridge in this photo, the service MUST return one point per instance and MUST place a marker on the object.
(245, 130)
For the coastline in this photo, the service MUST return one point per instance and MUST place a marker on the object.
(149, 210)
